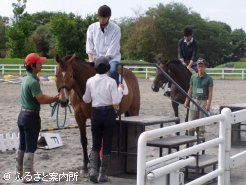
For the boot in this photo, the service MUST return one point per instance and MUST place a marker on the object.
(19, 164)
(28, 168)
(103, 169)
(93, 171)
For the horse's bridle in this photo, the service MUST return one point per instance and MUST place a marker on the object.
(63, 87)
(167, 71)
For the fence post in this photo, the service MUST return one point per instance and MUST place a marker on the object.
(141, 159)
(146, 73)
(20, 70)
(224, 149)
(223, 74)
(55, 70)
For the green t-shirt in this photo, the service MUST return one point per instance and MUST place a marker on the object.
(200, 85)
(30, 88)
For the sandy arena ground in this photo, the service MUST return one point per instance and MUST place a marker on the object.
(68, 158)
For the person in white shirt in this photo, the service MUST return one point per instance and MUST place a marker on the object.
(103, 93)
(103, 39)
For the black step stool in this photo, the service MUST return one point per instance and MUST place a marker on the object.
(202, 161)
(173, 142)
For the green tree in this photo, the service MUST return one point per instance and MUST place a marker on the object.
(43, 40)
(18, 9)
(2, 33)
(18, 34)
(214, 41)
(238, 42)
(18, 38)
(70, 33)
(159, 30)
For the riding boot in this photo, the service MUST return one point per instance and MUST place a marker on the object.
(103, 169)
(93, 171)
(19, 163)
(28, 168)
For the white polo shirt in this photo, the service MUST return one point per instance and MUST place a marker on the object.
(102, 90)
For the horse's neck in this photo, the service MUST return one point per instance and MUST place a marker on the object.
(179, 73)
(82, 73)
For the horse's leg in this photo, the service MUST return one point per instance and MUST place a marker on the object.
(187, 115)
(80, 117)
(83, 139)
(127, 114)
(175, 109)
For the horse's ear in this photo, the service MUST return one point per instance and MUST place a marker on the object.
(73, 57)
(58, 59)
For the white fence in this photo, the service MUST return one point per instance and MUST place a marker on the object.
(20, 69)
(149, 170)
(146, 71)
(9, 141)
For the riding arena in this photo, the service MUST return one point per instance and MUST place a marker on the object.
(69, 157)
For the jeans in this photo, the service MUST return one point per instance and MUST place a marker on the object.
(113, 70)
(102, 123)
(29, 124)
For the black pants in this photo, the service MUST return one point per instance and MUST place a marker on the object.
(102, 123)
(29, 124)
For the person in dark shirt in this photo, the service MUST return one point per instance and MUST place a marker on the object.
(187, 53)
(187, 49)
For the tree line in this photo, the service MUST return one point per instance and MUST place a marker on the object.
(156, 32)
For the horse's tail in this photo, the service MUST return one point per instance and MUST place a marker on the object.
(134, 91)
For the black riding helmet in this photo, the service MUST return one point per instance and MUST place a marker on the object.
(188, 32)
(104, 11)
(102, 65)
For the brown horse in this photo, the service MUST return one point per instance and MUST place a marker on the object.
(180, 74)
(71, 76)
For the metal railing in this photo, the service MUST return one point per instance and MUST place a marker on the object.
(145, 71)
(223, 142)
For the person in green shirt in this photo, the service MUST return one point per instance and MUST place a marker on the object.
(201, 90)
(29, 122)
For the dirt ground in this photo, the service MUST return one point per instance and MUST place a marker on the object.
(68, 158)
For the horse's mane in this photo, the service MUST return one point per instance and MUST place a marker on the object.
(177, 63)
(77, 59)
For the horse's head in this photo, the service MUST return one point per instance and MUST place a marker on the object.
(160, 79)
(64, 78)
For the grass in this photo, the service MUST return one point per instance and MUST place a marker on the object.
(241, 64)
(53, 62)
(21, 61)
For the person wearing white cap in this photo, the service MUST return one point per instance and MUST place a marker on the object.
(201, 90)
